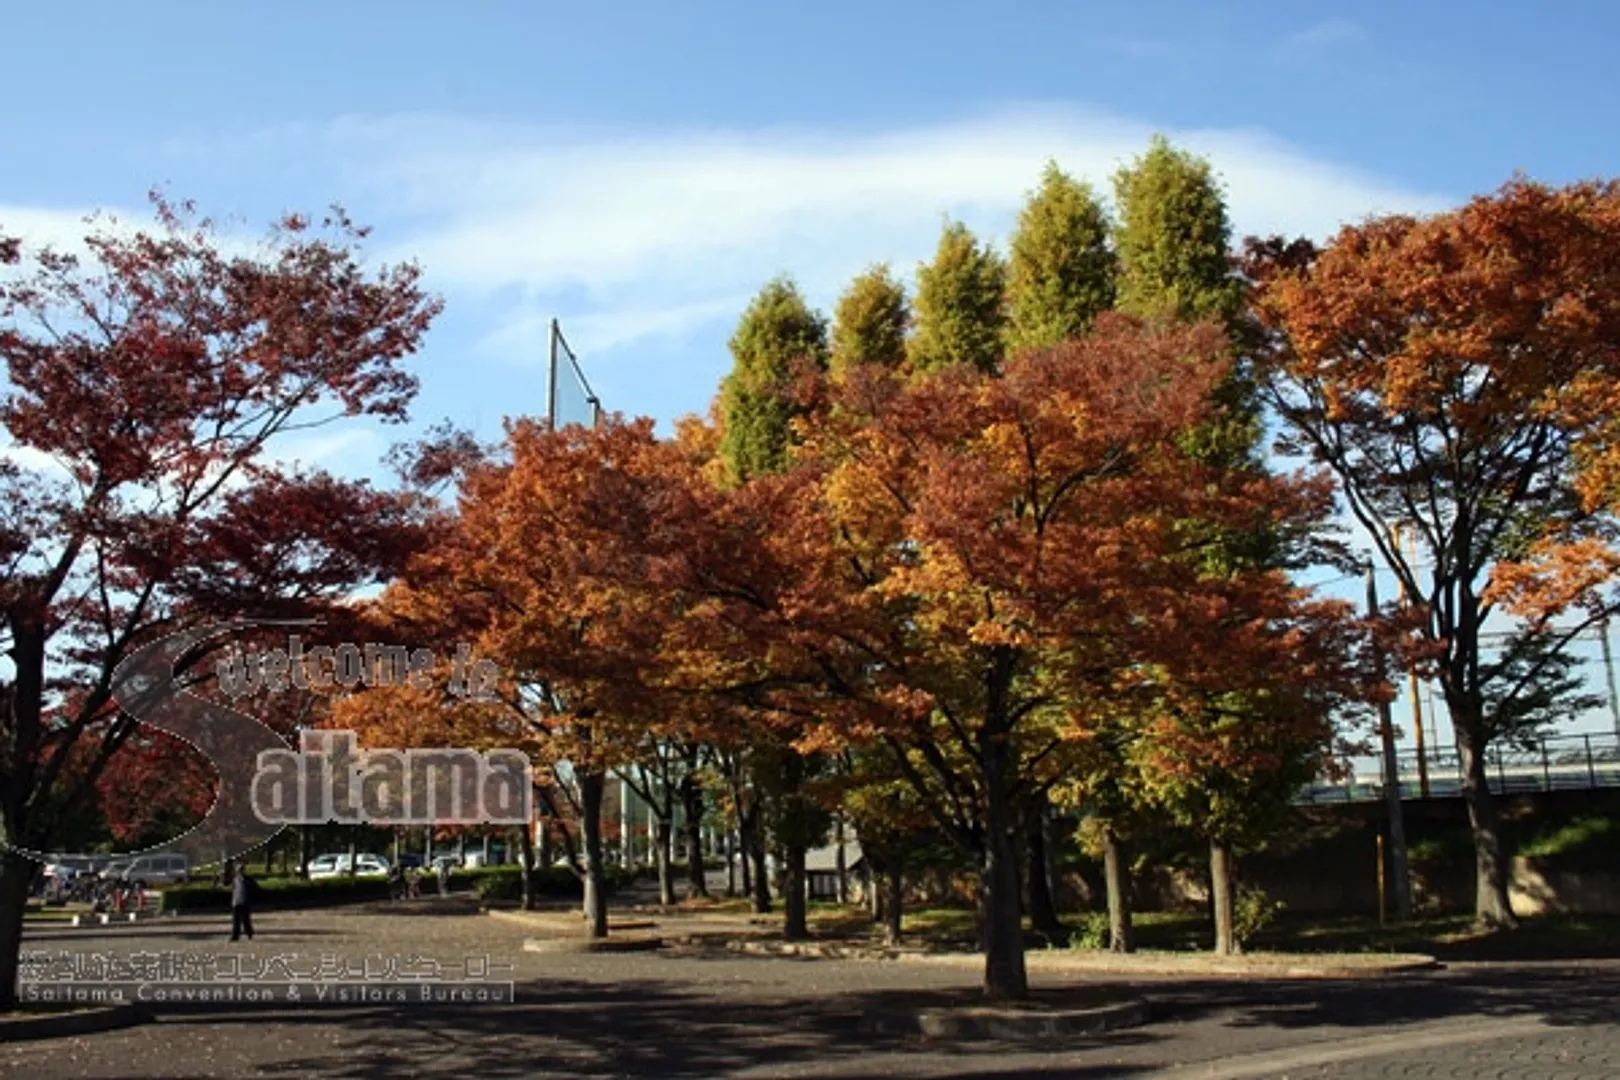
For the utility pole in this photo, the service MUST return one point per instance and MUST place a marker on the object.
(551, 383)
(1412, 687)
(1608, 670)
(627, 844)
(1392, 785)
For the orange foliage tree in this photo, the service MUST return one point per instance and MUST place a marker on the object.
(965, 564)
(1457, 374)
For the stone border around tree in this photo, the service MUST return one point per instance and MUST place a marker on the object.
(63, 1025)
(593, 945)
(1006, 1023)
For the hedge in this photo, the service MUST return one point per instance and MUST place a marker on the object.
(505, 883)
(492, 883)
(278, 893)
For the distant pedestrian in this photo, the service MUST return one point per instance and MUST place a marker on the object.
(243, 891)
(444, 878)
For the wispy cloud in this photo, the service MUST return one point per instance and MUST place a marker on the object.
(1134, 47)
(1316, 41)
(631, 234)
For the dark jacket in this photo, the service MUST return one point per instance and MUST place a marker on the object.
(242, 890)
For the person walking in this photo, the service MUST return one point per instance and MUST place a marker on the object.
(243, 889)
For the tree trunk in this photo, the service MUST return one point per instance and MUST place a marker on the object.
(796, 926)
(896, 901)
(16, 872)
(697, 882)
(1492, 908)
(591, 788)
(744, 855)
(1043, 916)
(1220, 891)
(755, 845)
(663, 841)
(731, 864)
(547, 854)
(1117, 875)
(1004, 974)
(840, 864)
(305, 836)
(526, 849)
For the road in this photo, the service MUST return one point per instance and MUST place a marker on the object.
(651, 1015)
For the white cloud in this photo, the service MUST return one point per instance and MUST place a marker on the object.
(638, 233)
(31, 459)
(1312, 42)
(630, 234)
(39, 227)
(328, 448)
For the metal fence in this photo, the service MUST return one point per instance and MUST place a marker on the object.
(1553, 763)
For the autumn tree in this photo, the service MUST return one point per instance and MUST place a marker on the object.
(890, 820)
(1451, 371)
(777, 340)
(566, 539)
(961, 304)
(780, 348)
(1174, 241)
(1010, 561)
(1061, 272)
(156, 370)
(871, 322)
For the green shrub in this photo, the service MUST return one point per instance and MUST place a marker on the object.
(278, 894)
(1093, 933)
(1584, 843)
(504, 884)
(1253, 911)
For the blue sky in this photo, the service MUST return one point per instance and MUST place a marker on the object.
(637, 170)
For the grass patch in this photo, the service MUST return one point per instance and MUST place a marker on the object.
(47, 915)
(1590, 841)
(1445, 937)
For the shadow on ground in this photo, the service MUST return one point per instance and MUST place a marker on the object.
(654, 1027)
(651, 1029)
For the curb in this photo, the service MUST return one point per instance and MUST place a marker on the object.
(1191, 968)
(592, 945)
(814, 950)
(63, 1025)
(989, 1022)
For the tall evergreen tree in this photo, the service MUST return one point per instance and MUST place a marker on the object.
(870, 324)
(1174, 239)
(961, 304)
(1175, 260)
(776, 332)
(1061, 273)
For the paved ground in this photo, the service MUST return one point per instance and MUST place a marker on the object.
(647, 1015)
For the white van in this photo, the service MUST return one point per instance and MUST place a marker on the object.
(144, 871)
(326, 866)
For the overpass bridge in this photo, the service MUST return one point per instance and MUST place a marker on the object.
(1550, 763)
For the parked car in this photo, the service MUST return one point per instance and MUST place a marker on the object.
(453, 862)
(337, 865)
(144, 871)
(68, 867)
